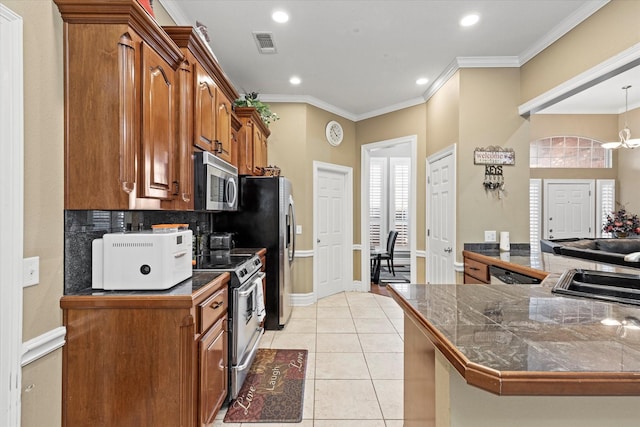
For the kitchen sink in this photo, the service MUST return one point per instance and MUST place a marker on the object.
(607, 286)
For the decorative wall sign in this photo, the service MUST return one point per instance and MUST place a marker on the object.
(494, 158)
(494, 155)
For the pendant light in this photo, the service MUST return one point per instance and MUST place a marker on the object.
(625, 134)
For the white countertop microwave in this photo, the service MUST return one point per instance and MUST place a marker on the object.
(141, 260)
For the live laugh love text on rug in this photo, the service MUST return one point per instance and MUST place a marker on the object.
(273, 390)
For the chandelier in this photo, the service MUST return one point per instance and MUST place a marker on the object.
(625, 134)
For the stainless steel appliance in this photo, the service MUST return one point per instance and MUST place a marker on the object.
(245, 303)
(144, 260)
(500, 276)
(215, 182)
(266, 219)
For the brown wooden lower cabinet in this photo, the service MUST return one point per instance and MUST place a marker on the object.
(145, 359)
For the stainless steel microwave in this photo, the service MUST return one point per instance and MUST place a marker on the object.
(216, 183)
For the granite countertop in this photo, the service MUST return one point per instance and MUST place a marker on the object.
(185, 288)
(522, 339)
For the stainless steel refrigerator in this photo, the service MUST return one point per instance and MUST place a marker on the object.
(266, 219)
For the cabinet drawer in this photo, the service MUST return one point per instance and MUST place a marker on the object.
(212, 309)
(476, 269)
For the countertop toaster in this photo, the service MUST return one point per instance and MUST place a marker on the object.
(141, 260)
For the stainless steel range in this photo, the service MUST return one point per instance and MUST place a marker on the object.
(246, 309)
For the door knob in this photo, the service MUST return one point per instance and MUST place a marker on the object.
(318, 241)
(448, 250)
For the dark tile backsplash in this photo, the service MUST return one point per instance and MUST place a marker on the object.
(82, 227)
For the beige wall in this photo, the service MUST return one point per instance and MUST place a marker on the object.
(443, 116)
(602, 127)
(489, 116)
(606, 33)
(43, 200)
(296, 141)
(629, 166)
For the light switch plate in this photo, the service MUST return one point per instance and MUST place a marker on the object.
(490, 236)
(30, 271)
(298, 229)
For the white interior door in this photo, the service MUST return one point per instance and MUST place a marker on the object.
(441, 217)
(569, 207)
(333, 259)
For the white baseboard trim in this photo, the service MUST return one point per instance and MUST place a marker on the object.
(458, 266)
(308, 253)
(43, 344)
(301, 300)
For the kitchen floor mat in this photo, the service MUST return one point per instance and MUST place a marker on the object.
(273, 391)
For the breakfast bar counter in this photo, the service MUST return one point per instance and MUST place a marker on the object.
(517, 346)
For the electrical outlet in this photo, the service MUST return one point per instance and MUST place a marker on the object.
(298, 229)
(490, 236)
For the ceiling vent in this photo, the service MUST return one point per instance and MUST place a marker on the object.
(264, 40)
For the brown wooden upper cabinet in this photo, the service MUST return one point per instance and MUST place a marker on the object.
(252, 145)
(211, 95)
(120, 107)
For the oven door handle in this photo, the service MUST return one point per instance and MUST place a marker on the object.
(246, 293)
(248, 356)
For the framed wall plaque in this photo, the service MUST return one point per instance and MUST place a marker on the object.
(494, 155)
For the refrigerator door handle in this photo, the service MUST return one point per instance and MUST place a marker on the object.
(292, 229)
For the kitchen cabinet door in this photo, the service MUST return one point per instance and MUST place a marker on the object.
(158, 137)
(183, 196)
(213, 371)
(253, 142)
(223, 128)
(245, 148)
(259, 152)
(120, 73)
(205, 110)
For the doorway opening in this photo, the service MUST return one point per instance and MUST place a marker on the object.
(388, 183)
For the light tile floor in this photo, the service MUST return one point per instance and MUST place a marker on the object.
(355, 362)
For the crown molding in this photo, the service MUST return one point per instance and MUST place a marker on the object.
(488, 62)
(306, 99)
(569, 23)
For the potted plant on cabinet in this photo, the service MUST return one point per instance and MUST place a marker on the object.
(264, 110)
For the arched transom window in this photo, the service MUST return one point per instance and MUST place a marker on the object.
(568, 152)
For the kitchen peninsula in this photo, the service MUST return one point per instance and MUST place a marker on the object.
(523, 356)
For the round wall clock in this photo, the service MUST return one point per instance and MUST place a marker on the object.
(334, 133)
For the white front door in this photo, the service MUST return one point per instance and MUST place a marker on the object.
(569, 207)
(441, 217)
(332, 226)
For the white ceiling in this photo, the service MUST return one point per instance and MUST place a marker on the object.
(361, 58)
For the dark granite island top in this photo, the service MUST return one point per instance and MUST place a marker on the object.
(524, 340)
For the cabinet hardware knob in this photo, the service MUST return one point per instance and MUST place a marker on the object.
(216, 304)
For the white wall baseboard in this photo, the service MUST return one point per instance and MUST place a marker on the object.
(301, 300)
(43, 344)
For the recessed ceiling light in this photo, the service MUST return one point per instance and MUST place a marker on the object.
(295, 80)
(422, 81)
(469, 20)
(280, 16)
